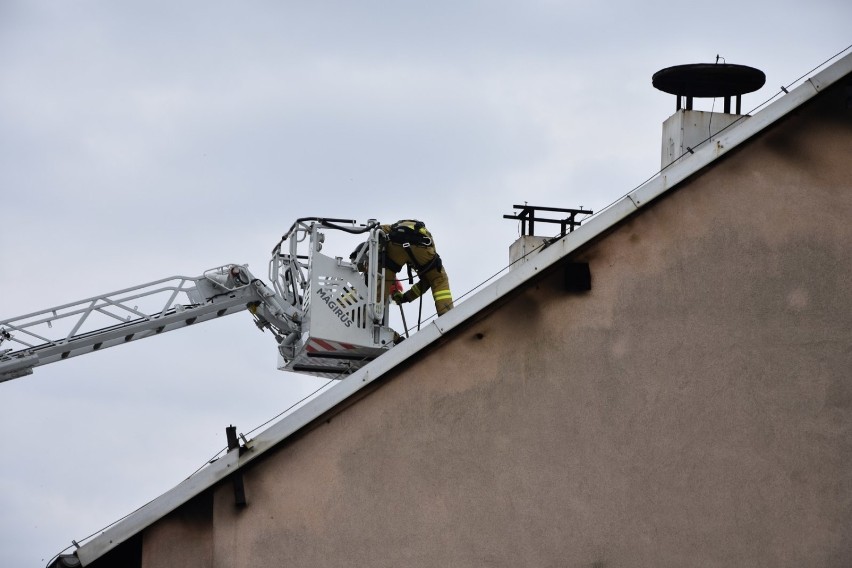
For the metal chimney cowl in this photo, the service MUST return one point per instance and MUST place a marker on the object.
(687, 128)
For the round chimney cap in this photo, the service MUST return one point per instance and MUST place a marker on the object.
(708, 80)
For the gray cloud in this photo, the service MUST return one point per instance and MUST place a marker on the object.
(139, 141)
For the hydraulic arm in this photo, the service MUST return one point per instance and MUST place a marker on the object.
(328, 316)
(117, 318)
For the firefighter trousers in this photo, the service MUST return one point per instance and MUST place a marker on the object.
(434, 278)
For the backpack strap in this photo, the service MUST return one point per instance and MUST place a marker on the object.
(421, 268)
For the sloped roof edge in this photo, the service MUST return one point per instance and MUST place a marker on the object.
(537, 263)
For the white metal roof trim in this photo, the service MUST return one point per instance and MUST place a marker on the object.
(595, 226)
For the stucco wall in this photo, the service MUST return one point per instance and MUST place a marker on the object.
(183, 538)
(693, 409)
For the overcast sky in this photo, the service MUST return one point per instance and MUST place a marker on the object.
(140, 140)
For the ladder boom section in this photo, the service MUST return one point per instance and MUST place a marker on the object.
(136, 313)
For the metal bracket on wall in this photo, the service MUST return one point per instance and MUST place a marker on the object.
(237, 476)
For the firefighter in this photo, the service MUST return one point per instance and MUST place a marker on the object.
(410, 243)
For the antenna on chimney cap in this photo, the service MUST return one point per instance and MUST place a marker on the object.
(709, 80)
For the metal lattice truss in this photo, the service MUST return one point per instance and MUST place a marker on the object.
(120, 317)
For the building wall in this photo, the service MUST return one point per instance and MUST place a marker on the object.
(693, 409)
(185, 536)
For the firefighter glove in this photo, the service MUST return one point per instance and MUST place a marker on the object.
(397, 297)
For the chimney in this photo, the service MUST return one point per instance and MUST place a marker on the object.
(687, 128)
(529, 242)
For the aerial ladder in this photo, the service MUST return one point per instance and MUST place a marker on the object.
(328, 315)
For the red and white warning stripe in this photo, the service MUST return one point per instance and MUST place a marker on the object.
(315, 345)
